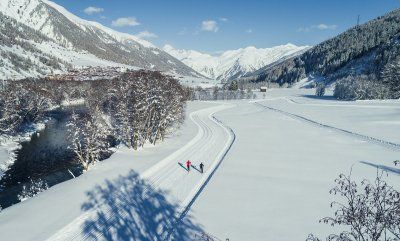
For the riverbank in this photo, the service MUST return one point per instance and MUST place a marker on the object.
(61, 204)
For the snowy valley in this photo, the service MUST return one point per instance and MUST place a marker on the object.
(105, 136)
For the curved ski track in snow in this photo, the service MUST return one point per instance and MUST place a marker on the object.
(292, 101)
(383, 143)
(210, 146)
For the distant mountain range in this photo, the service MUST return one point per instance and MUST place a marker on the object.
(234, 63)
(39, 37)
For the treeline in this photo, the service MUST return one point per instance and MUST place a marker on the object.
(233, 91)
(362, 87)
(369, 49)
(135, 108)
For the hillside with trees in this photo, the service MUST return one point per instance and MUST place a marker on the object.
(363, 60)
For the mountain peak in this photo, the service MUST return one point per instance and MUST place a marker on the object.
(78, 42)
(232, 64)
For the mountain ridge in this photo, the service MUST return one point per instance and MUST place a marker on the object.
(75, 40)
(367, 49)
(233, 64)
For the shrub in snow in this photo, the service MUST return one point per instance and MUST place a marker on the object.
(369, 211)
(32, 188)
(320, 89)
(234, 86)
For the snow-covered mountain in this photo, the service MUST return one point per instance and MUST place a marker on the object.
(234, 63)
(38, 37)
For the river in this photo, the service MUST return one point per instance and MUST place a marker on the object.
(46, 157)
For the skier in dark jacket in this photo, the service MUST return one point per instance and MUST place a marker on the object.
(201, 167)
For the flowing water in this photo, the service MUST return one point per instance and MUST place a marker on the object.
(46, 159)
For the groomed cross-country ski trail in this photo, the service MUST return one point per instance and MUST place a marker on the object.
(210, 145)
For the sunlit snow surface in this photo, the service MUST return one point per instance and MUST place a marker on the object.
(272, 185)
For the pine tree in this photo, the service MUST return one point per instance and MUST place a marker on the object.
(391, 77)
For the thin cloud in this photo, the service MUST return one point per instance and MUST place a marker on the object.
(182, 32)
(320, 26)
(249, 31)
(123, 22)
(146, 34)
(209, 26)
(92, 10)
(324, 26)
(223, 19)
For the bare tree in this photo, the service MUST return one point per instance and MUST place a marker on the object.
(369, 210)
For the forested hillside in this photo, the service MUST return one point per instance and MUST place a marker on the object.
(370, 50)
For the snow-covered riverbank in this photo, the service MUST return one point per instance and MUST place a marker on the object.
(8, 146)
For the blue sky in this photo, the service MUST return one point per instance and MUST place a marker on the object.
(217, 25)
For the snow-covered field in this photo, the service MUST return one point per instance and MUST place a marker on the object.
(272, 184)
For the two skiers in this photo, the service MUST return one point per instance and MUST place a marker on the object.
(189, 164)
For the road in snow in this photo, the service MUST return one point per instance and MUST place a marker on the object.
(274, 183)
(78, 210)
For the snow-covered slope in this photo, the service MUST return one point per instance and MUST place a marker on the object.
(234, 63)
(60, 34)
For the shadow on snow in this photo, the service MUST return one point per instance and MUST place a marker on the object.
(383, 167)
(325, 97)
(183, 166)
(128, 208)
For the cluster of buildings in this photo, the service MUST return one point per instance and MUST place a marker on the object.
(89, 73)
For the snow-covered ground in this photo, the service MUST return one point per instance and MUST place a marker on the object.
(376, 118)
(272, 184)
(80, 209)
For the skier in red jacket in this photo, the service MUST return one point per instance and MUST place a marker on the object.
(188, 164)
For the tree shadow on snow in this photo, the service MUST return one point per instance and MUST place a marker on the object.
(325, 97)
(131, 209)
(382, 167)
